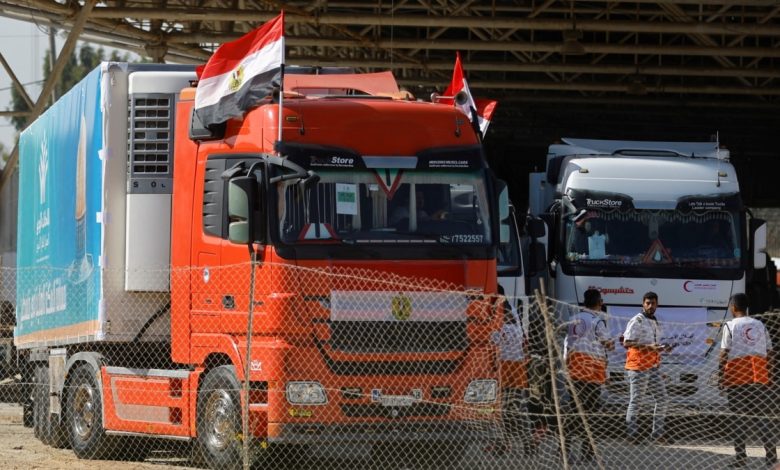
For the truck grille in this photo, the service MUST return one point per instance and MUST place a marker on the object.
(388, 337)
(357, 368)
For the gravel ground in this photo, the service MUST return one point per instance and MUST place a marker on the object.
(19, 449)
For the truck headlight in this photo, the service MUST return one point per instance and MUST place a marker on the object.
(306, 393)
(481, 391)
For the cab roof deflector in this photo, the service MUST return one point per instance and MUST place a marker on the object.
(646, 148)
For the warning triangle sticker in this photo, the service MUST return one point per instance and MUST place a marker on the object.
(389, 179)
(656, 254)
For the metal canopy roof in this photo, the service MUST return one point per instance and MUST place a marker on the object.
(633, 70)
(714, 50)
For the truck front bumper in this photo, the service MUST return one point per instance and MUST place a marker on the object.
(312, 433)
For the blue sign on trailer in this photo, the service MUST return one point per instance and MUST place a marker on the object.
(59, 292)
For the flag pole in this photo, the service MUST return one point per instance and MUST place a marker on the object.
(281, 91)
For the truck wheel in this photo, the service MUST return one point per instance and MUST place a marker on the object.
(219, 419)
(46, 426)
(84, 411)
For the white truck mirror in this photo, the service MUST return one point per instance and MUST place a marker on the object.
(503, 202)
(241, 193)
(759, 246)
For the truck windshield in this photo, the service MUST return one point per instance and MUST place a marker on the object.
(386, 206)
(653, 238)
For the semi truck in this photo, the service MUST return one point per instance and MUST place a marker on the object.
(153, 251)
(627, 217)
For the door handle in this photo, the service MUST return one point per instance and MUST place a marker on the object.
(228, 301)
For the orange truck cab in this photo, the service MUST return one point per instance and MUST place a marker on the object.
(362, 238)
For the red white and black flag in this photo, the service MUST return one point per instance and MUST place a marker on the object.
(480, 111)
(241, 73)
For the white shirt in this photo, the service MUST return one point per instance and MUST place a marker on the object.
(745, 336)
(511, 340)
(585, 333)
(642, 329)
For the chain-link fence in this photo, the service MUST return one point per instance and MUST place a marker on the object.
(358, 368)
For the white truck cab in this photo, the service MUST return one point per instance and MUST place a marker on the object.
(629, 217)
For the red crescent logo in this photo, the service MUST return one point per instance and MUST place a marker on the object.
(576, 328)
(747, 334)
(685, 286)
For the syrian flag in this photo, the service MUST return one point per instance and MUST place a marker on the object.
(240, 73)
(480, 111)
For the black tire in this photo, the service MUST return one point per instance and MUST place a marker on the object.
(84, 412)
(219, 420)
(46, 426)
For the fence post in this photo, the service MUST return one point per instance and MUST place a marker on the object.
(248, 362)
(549, 336)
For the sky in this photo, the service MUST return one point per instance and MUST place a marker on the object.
(24, 45)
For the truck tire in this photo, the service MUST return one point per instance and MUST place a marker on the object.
(84, 412)
(46, 426)
(219, 419)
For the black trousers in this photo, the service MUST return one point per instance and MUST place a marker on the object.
(515, 417)
(751, 413)
(589, 395)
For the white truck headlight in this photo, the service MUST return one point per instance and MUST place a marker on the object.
(306, 393)
(481, 391)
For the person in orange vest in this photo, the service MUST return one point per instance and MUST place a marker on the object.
(513, 349)
(585, 349)
(643, 359)
(744, 374)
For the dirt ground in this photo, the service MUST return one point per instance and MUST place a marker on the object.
(19, 449)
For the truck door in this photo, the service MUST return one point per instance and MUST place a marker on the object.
(206, 272)
(235, 271)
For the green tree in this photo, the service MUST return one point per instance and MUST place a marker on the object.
(75, 69)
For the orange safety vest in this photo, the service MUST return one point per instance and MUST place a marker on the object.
(746, 370)
(646, 331)
(642, 360)
(747, 343)
(586, 368)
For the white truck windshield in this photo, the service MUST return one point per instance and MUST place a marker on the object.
(654, 238)
(357, 206)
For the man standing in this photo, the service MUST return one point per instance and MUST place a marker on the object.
(642, 368)
(744, 373)
(513, 349)
(585, 349)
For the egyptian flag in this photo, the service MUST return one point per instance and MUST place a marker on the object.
(480, 111)
(240, 73)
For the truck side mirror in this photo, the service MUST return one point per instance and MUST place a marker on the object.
(242, 196)
(758, 242)
(537, 258)
(535, 227)
(503, 200)
(200, 132)
(504, 229)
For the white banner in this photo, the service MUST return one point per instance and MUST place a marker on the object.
(684, 327)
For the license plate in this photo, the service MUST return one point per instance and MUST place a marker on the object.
(397, 400)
